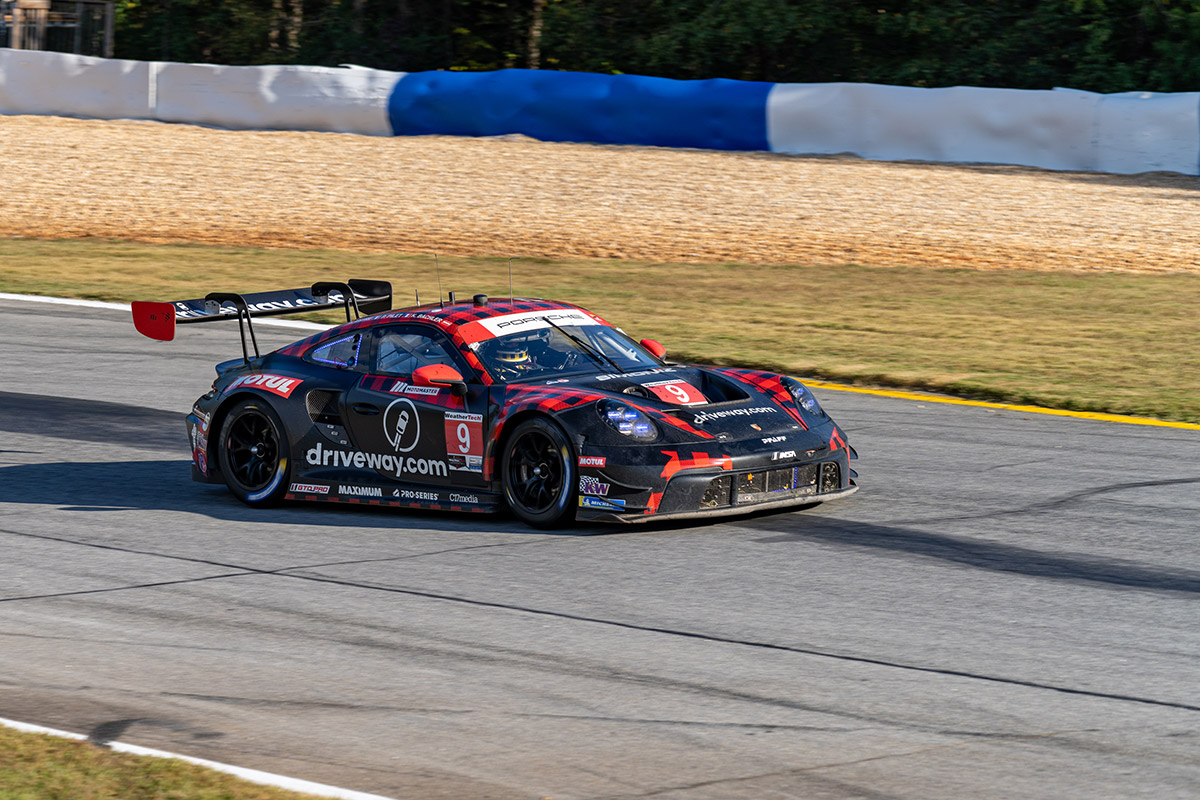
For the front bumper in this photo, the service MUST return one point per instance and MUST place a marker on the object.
(706, 485)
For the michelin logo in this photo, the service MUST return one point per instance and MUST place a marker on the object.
(320, 456)
(605, 503)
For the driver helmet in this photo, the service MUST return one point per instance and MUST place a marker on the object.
(513, 357)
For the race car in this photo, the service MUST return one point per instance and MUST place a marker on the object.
(538, 406)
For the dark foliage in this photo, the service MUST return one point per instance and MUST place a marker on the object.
(1102, 45)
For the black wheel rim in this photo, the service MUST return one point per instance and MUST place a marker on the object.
(535, 472)
(252, 450)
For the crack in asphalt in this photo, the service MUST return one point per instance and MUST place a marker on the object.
(693, 635)
(696, 723)
(858, 791)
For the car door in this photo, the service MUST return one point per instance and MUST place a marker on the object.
(411, 433)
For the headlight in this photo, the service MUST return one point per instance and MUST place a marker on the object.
(803, 397)
(628, 421)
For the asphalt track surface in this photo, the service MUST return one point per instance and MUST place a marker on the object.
(1007, 609)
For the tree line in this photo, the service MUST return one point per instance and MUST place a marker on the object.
(1099, 45)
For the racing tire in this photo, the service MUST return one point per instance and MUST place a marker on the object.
(253, 453)
(539, 473)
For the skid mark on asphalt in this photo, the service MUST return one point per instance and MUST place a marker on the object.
(1059, 502)
(617, 624)
(991, 556)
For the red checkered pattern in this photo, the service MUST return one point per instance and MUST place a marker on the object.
(769, 383)
(677, 463)
(520, 398)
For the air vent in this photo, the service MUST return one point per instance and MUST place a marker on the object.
(323, 406)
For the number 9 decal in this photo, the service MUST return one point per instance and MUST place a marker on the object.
(464, 437)
(680, 393)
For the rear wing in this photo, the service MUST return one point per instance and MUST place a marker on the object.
(158, 320)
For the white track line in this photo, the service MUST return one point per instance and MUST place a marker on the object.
(252, 775)
(67, 301)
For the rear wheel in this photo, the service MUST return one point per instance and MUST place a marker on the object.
(539, 473)
(253, 453)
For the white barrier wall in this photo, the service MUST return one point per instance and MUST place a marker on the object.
(33, 82)
(259, 98)
(279, 98)
(1142, 131)
(1053, 129)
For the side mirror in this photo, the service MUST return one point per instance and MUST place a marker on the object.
(441, 375)
(656, 349)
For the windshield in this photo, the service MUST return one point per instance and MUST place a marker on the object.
(552, 353)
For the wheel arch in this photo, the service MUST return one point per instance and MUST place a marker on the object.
(218, 420)
(510, 424)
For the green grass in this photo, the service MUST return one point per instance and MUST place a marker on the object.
(39, 767)
(1116, 342)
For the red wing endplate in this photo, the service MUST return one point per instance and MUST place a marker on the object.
(155, 320)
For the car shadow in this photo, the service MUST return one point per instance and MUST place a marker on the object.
(166, 485)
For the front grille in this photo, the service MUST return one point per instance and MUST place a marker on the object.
(831, 476)
(799, 481)
(717, 493)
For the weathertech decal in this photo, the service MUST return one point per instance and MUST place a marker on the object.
(309, 488)
(464, 441)
(275, 384)
(592, 461)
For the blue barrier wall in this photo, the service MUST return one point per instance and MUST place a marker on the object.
(714, 114)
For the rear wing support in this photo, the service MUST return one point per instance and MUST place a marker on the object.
(158, 320)
(212, 304)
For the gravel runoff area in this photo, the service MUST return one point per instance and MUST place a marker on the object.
(503, 196)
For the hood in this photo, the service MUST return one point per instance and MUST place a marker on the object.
(709, 400)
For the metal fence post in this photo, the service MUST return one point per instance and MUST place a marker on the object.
(109, 29)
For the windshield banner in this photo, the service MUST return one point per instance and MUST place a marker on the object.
(524, 321)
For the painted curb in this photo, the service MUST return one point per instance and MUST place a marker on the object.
(958, 401)
(252, 775)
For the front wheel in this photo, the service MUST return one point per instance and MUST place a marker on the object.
(539, 473)
(253, 455)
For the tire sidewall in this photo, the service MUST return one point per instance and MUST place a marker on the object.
(564, 505)
(274, 491)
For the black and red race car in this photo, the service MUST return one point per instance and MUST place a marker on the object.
(536, 405)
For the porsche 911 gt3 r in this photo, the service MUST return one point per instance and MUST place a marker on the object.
(538, 406)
